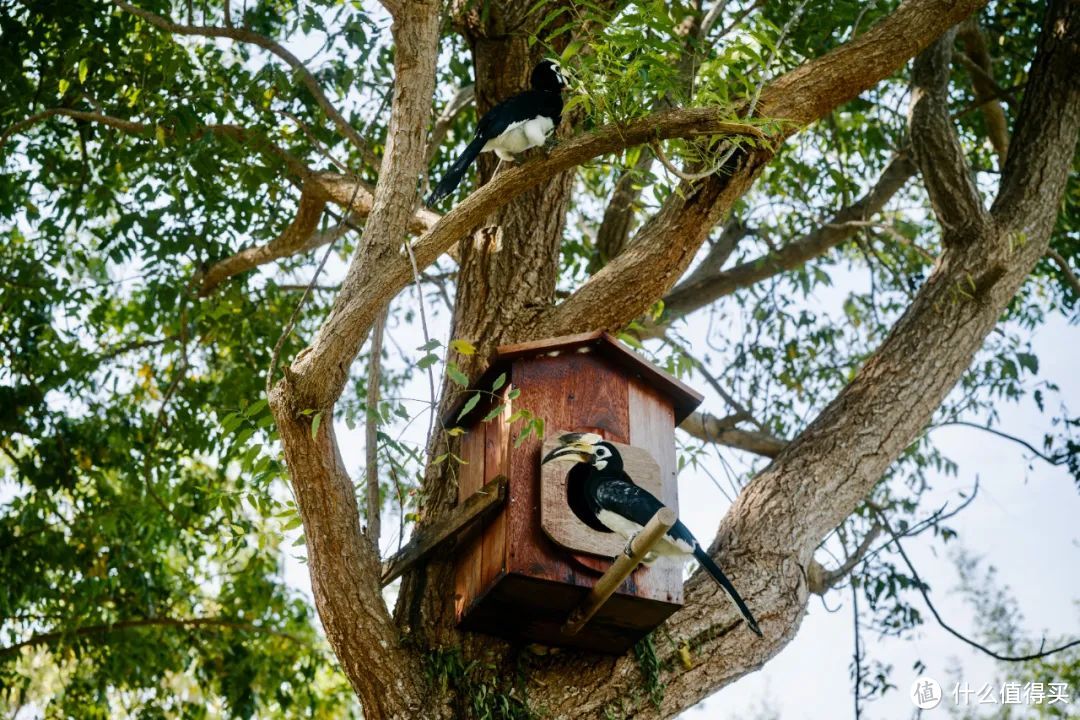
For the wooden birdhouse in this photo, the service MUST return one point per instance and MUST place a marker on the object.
(535, 559)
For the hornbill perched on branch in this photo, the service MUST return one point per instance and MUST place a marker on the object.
(513, 126)
(624, 507)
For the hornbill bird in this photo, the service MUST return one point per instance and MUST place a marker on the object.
(624, 507)
(513, 126)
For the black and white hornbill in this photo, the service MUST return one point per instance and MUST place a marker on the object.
(624, 507)
(513, 126)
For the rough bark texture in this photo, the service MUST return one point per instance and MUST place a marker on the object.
(767, 539)
(342, 563)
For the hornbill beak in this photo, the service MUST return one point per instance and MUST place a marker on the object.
(574, 446)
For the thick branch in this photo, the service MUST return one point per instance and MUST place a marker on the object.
(344, 566)
(977, 60)
(300, 236)
(713, 429)
(941, 161)
(667, 243)
(703, 288)
(248, 36)
(819, 579)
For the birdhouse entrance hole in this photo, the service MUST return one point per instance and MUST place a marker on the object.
(564, 513)
(575, 497)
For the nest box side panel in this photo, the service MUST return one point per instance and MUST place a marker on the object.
(652, 428)
(470, 555)
(578, 391)
(496, 462)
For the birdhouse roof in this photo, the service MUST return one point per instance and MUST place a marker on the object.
(684, 399)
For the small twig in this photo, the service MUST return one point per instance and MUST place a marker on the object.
(1067, 271)
(303, 298)
(922, 587)
(858, 650)
(1052, 459)
(371, 430)
(424, 327)
(932, 520)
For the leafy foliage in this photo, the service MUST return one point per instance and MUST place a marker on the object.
(141, 483)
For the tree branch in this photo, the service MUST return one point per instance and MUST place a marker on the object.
(976, 58)
(937, 150)
(709, 283)
(377, 277)
(345, 566)
(1060, 459)
(212, 623)
(819, 579)
(1063, 265)
(349, 191)
(371, 431)
(244, 35)
(715, 430)
(235, 132)
(924, 591)
(1045, 127)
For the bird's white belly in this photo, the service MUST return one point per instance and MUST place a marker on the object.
(628, 529)
(520, 136)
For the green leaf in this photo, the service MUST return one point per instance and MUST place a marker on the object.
(1029, 362)
(255, 408)
(315, 423)
(493, 413)
(499, 382)
(84, 68)
(429, 345)
(427, 361)
(469, 405)
(456, 375)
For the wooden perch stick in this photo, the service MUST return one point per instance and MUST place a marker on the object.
(625, 564)
(476, 507)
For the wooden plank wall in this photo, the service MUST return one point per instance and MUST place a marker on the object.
(469, 558)
(583, 392)
(652, 427)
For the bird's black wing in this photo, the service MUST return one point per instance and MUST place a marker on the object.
(634, 502)
(623, 497)
(523, 106)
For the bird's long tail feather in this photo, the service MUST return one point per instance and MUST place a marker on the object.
(456, 172)
(707, 562)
